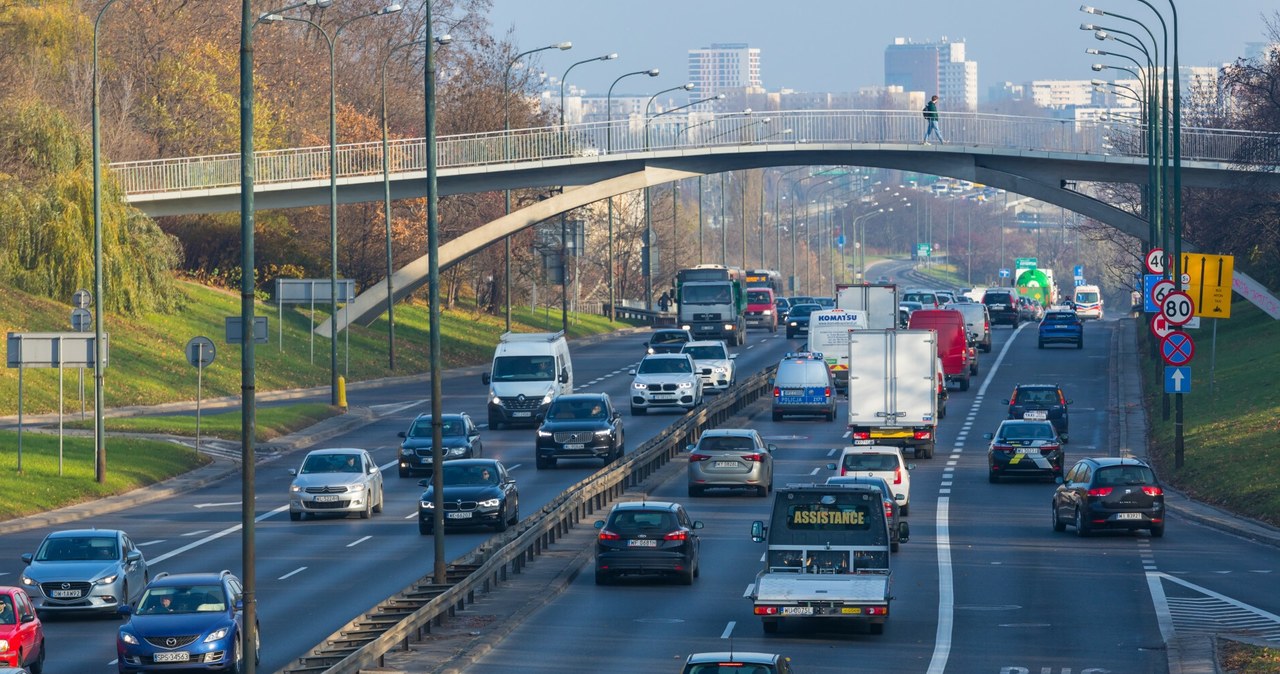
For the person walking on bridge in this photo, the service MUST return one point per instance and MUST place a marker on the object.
(931, 115)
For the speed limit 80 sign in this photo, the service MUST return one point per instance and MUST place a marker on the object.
(1177, 308)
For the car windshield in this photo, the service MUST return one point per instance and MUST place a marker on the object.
(669, 337)
(472, 475)
(524, 368)
(706, 352)
(876, 482)
(331, 463)
(758, 297)
(1025, 431)
(803, 310)
(729, 668)
(7, 614)
(182, 599)
(641, 521)
(1037, 396)
(996, 298)
(562, 410)
(923, 298)
(1124, 475)
(870, 462)
(1086, 297)
(449, 427)
(664, 366)
(725, 443)
(78, 549)
(1060, 317)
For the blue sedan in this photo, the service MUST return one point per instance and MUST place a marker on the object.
(190, 621)
(1059, 327)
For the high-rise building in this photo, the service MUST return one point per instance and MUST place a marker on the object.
(720, 67)
(933, 68)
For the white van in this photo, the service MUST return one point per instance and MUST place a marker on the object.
(829, 334)
(1088, 301)
(529, 369)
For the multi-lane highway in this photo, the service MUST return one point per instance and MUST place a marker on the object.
(984, 585)
(316, 575)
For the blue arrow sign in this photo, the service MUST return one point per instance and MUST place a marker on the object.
(1177, 379)
(1078, 271)
(1004, 273)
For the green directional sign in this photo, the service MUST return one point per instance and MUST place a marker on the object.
(923, 249)
(1024, 263)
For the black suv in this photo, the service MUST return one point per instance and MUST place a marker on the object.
(1040, 401)
(647, 537)
(670, 340)
(579, 426)
(1109, 493)
(1002, 304)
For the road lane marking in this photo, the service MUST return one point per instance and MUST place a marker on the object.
(197, 532)
(946, 590)
(389, 465)
(747, 592)
(815, 471)
(833, 451)
(216, 505)
(143, 545)
(214, 536)
(358, 541)
(298, 570)
(728, 630)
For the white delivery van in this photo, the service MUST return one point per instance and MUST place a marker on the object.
(1088, 301)
(829, 335)
(529, 369)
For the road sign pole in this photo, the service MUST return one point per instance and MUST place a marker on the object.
(199, 389)
(1213, 358)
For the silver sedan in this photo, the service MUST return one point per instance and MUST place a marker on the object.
(731, 457)
(337, 481)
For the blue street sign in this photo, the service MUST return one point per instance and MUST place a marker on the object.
(1177, 379)
(1004, 273)
(840, 240)
(1078, 271)
(1148, 282)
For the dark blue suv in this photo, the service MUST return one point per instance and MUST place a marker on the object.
(189, 621)
(1058, 327)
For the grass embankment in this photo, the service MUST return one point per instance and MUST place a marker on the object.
(147, 367)
(944, 274)
(1235, 657)
(1229, 433)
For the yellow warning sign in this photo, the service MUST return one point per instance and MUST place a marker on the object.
(1207, 278)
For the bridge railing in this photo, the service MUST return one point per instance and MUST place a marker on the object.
(698, 132)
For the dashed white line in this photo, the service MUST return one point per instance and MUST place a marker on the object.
(358, 541)
(143, 545)
(197, 532)
(747, 592)
(815, 471)
(728, 630)
(833, 451)
(296, 571)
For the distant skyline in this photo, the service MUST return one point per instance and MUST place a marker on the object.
(838, 45)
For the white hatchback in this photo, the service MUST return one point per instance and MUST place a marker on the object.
(879, 461)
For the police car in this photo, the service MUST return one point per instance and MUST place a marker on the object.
(803, 385)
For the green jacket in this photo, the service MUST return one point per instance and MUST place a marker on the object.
(931, 111)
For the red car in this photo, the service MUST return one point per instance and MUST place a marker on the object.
(21, 634)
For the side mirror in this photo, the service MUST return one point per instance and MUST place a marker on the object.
(28, 618)
(988, 436)
(539, 417)
(904, 532)
(403, 434)
(1004, 402)
(424, 483)
(911, 466)
(564, 376)
(631, 372)
(239, 605)
(293, 471)
(616, 415)
(757, 531)
(133, 556)
(26, 558)
(485, 378)
(373, 469)
(599, 524)
(124, 610)
(645, 344)
(1058, 480)
(1071, 402)
(771, 448)
(697, 524)
(831, 466)
(689, 448)
(733, 356)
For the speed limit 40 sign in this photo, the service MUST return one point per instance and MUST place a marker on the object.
(1177, 308)
(1155, 261)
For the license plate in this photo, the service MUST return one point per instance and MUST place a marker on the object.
(792, 392)
(458, 516)
(326, 498)
(172, 656)
(1129, 516)
(522, 414)
(575, 445)
(1027, 450)
(1038, 415)
(65, 594)
(726, 464)
(642, 543)
(797, 610)
(997, 306)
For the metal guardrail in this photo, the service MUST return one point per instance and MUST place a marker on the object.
(411, 613)
(724, 130)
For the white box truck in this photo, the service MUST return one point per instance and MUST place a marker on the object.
(893, 389)
(879, 300)
(829, 335)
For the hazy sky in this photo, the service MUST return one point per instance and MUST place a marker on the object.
(838, 45)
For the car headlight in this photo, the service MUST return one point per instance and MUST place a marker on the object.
(544, 434)
(639, 386)
(490, 503)
(493, 398)
(107, 580)
(217, 634)
(686, 327)
(546, 399)
(25, 580)
(405, 451)
(650, 350)
(686, 384)
(427, 505)
(128, 638)
(767, 312)
(720, 370)
(604, 433)
(456, 451)
(793, 324)
(729, 326)
(4, 646)
(295, 489)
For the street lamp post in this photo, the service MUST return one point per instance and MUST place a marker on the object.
(564, 222)
(648, 208)
(248, 409)
(608, 111)
(331, 41)
(506, 145)
(386, 200)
